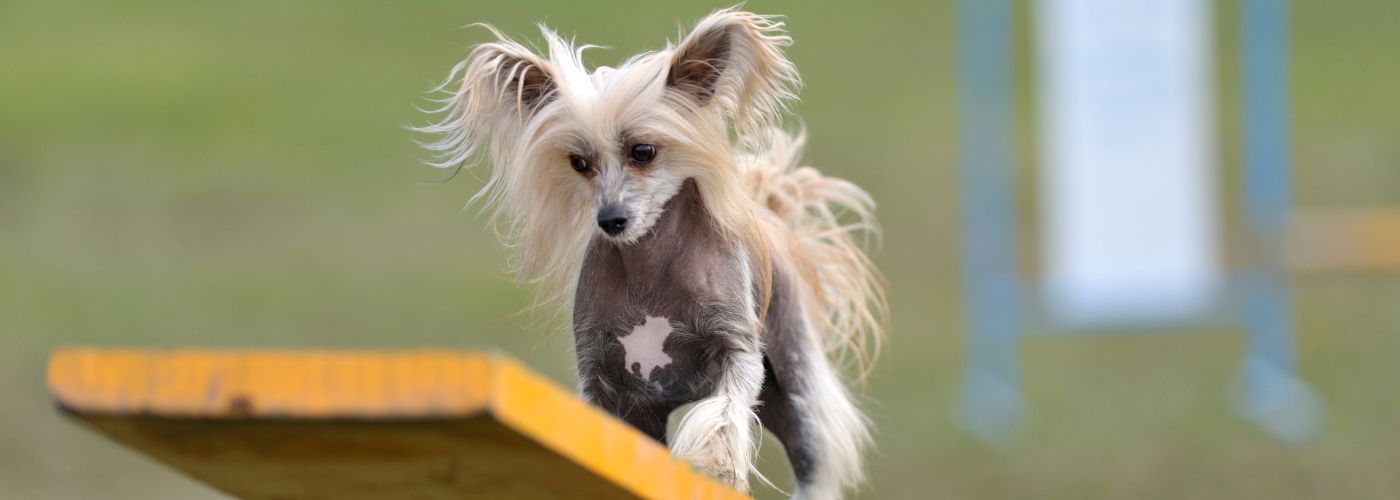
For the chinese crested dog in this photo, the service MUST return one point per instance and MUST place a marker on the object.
(659, 207)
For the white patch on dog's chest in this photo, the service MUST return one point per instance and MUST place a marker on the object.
(644, 346)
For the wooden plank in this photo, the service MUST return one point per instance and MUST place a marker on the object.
(321, 424)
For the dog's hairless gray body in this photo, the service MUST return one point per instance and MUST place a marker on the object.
(684, 273)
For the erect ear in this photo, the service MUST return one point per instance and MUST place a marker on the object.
(735, 60)
(502, 84)
(507, 74)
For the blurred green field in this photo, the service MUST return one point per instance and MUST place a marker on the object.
(237, 174)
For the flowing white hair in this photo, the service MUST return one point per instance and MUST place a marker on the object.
(499, 101)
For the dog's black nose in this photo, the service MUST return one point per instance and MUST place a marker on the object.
(613, 220)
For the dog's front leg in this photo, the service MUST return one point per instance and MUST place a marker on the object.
(717, 434)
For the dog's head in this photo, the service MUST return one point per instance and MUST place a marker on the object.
(599, 152)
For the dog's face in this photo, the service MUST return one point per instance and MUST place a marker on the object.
(607, 148)
(630, 183)
(630, 135)
(627, 146)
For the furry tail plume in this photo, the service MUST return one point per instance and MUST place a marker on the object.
(830, 220)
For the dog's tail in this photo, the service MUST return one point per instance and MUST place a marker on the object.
(830, 219)
(841, 296)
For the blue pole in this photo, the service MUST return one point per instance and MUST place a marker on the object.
(991, 398)
(1267, 181)
(1273, 395)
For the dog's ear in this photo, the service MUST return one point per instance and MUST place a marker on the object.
(735, 60)
(504, 76)
(502, 84)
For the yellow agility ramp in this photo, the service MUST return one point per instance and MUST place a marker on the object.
(327, 424)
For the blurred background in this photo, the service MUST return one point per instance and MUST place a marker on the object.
(237, 174)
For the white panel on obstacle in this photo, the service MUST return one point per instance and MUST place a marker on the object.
(1127, 146)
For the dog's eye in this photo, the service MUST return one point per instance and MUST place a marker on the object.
(579, 163)
(643, 153)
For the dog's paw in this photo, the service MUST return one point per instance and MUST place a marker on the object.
(723, 469)
(717, 437)
(715, 447)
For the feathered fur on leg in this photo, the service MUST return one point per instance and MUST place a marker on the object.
(718, 433)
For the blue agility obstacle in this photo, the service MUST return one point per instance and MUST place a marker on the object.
(1271, 394)
(992, 403)
(998, 309)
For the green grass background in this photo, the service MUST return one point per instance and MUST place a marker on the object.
(236, 174)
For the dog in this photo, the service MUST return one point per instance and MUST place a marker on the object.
(660, 208)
